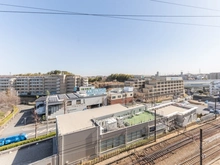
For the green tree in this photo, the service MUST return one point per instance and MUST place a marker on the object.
(47, 92)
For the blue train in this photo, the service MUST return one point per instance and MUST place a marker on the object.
(13, 139)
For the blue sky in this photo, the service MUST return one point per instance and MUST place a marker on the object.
(89, 45)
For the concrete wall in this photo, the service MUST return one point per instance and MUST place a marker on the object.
(75, 146)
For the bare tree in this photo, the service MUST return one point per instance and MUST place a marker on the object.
(36, 120)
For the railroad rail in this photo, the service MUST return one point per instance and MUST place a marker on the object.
(162, 150)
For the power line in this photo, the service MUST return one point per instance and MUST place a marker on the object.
(116, 16)
(183, 5)
(96, 14)
(105, 15)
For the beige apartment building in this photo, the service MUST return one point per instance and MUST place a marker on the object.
(136, 83)
(161, 88)
(39, 85)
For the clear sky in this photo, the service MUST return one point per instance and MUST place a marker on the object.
(89, 45)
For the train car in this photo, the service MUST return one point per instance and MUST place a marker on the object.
(2, 141)
(15, 138)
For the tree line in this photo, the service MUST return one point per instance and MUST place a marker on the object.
(56, 72)
(118, 77)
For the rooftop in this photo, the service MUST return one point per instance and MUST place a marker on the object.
(82, 120)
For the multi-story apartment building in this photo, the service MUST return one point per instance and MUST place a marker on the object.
(136, 83)
(6, 82)
(214, 75)
(163, 87)
(39, 85)
(75, 81)
(214, 88)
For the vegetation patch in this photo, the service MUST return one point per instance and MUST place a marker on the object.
(7, 118)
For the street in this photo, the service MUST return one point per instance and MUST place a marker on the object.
(23, 123)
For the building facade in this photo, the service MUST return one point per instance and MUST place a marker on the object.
(87, 134)
(39, 85)
(136, 83)
(213, 76)
(214, 88)
(163, 87)
(120, 96)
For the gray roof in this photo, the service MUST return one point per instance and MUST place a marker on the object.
(73, 122)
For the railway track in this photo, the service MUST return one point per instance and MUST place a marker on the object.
(160, 151)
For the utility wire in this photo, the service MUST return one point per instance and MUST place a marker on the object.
(105, 15)
(124, 17)
(183, 5)
(96, 14)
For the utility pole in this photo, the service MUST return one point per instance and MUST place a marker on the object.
(200, 146)
(215, 109)
(155, 125)
(36, 121)
(46, 109)
(64, 106)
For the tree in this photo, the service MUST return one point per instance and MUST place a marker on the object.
(119, 77)
(47, 92)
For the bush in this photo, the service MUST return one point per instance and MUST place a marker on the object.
(9, 146)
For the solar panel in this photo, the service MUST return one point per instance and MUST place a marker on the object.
(62, 96)
(71, 96)
(52, 99)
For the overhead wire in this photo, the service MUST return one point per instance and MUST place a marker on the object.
(184, 5)
(115, 16)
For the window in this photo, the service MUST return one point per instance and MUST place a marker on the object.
(119, 96)
(152, 129)
(130, 94)
(69, 103)
(113, 97)
(78, 101)
(134, 135)
(113, 142)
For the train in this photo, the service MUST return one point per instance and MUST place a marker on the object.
(13, 139)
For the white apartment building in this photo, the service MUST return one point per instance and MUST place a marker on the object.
(6, 82)
(39, 85)
(214, 87)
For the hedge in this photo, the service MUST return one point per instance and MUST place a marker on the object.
(7, 118)
(42, 137)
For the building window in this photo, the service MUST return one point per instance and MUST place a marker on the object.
(78, 101)
(134, 135)
(130, 94)
(113, 142)
(113, 97)
(69, 103)
(119, 96)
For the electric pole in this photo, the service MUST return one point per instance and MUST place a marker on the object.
(200, 146)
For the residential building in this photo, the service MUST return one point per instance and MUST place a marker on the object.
(214, 88)
(39, 85)
(75, 81)
(73, 102)
(121, 96)
(88, 134)
(136, 83)
(213, 76)
(161, 88)
(6, 82)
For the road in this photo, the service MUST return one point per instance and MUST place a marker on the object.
(23, 123)
(28, 154)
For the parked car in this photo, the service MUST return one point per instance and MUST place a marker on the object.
(206, 109)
